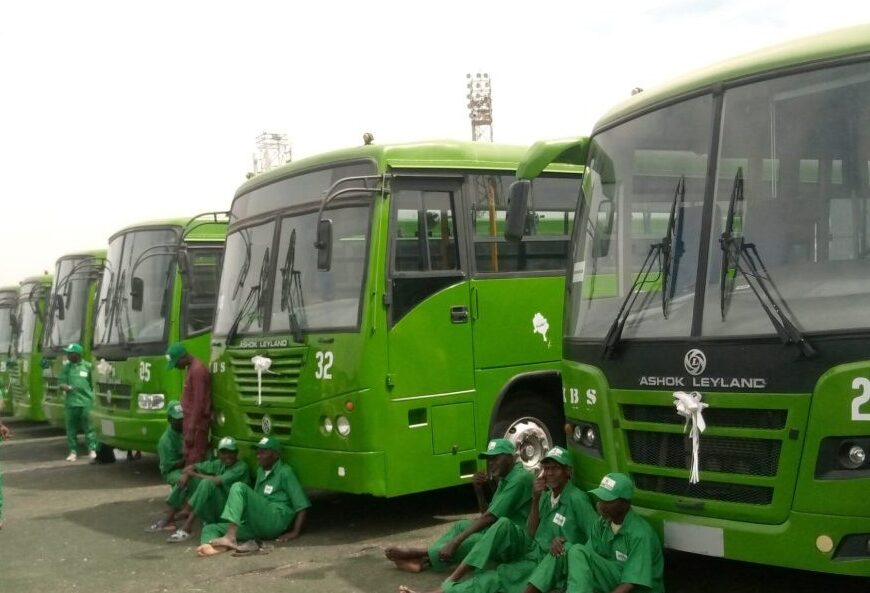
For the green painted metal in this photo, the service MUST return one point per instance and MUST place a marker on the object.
(416, 391)
(129, 360)
(545, 153)
(76, 282)
(808, 518)
(8, 306)
(26, 369)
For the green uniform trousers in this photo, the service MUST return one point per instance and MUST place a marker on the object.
(500, 542)
(206, 498)
(78, 418)
(254, 514)
(590, 573)
(172, 477)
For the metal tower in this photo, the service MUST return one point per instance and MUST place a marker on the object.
(480, 106)
(273, 150)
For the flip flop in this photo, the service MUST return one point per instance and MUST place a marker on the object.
(160, 525)
(225, 542)
(179, 536)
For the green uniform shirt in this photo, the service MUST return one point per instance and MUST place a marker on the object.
(78, 376)
(280, 485)
(571, 518)
(229, 475)
(513, 496)
(169, 450)
(636, 547)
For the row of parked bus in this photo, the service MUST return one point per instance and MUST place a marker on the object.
(701, 327)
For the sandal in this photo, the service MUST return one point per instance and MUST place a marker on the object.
(179, 536)
(158, 525)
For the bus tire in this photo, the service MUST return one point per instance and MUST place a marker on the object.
(533, 425)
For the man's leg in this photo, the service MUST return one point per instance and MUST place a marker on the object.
(588, 572)
(88, 431)
(71, 417)
(207, 501)
(251, 516)
(502, 542)
(461, 551)
(550, 573)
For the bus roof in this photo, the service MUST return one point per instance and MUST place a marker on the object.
(434, 154)
(43, 279)
(853, 41)
(97, 253)
(9, 289)
(197, 230)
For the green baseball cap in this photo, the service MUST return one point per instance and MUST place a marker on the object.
(614, 486)
(560, 456)
(74, 348)
(227, 444)
(176, 351)
(268, 443)
(174, 411)
(498, 447)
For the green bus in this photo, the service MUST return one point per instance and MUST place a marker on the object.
(8, 306)
(70, 319)
(159, 286)
(715, 340)
(25, 374)
(373, 319)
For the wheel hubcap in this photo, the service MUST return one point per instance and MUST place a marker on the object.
(531, 438)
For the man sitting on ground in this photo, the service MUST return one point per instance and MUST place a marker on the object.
(275, 507)
(170, 455)
(203, 487)
(507, 512)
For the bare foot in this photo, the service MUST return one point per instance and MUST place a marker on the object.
(209, 550)
(405, 589)
(224, 542)
(410, 565)
(404, 554)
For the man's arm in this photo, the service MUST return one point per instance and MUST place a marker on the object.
(4, 432)
(623, 588)
(296, 530)
(538, 488)
(479, 524)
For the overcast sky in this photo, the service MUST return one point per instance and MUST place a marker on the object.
(112, 113)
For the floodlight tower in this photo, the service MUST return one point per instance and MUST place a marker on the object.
(480, 106)
(272, 150)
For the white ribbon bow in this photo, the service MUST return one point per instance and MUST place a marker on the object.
(104, 368)
(261, 365)
(690, 407)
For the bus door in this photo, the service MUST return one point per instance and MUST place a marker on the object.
(430, 355)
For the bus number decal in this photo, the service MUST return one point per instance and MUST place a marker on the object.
(324, 363)
(145, 371)
(218, 367)
(863, 384)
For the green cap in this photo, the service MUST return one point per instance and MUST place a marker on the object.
(227, 444)
(174, 411)
(268, 443)
(176, 351)
(74, 348)
(614, 486)
(559, 455)
(498, 447)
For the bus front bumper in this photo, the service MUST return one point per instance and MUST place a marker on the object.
(128, 431)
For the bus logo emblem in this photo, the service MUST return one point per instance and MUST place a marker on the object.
(695, 362)
(266, 424)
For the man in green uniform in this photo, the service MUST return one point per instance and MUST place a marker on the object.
(560, 515)
(265, 511)
(203, 487)
(74, 379)
(170, 455)
(623, 552)
(4, 435)
(507, 514)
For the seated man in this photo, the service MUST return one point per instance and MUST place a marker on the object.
(203, 488)
(560, 515)
(265, 511)
(507, 513)
(170, 454)
(623, 552)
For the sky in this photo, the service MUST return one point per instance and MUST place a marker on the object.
(113, 113)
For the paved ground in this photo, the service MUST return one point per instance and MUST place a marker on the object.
(73, 526)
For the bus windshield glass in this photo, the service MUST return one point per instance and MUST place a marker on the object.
(26, 319)
(136, 295)
(5, 329)
(69, 293)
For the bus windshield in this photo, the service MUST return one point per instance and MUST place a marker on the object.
(69, 293)
(139, 267)
(5, 329)
(26, 320)
(790, 214)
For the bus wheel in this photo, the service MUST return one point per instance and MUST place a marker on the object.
(533, 426)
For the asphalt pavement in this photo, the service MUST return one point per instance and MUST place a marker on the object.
(81, 527)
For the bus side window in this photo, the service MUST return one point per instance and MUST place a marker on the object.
(201, 287)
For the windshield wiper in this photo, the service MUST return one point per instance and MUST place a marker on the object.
(669, 249)
(243, 273)
(614, 334)
(740, 256)
(291, 281)
(257, 291)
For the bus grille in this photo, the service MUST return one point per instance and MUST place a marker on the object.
(745, 456)
(279, 424)
(113, 395)
(724, 417)
(279, 384)
(707, 490)
(52, 392)
(19, 393)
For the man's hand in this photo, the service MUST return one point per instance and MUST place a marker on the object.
(4, 432)
(539, 485)
(446, 553)
(557, 548)
(479, 479)
(287, 536)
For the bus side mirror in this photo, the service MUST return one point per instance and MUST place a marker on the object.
(324, 245)
(137, 293)
(183, 261)
(518, 209)
(59, 306)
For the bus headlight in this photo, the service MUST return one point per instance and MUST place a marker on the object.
(585, 434)
(327, 425)
(151, 401)
(342, 426)
(855, 456)
(221, 419)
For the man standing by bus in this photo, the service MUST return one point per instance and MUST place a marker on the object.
(195, 401)
(510, 502)
(74, 379)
